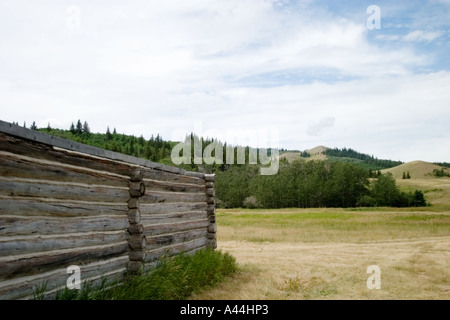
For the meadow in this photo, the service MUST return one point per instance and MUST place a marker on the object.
(324, 253)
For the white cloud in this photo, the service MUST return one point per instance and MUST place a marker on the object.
(420, 35)
(149, 68)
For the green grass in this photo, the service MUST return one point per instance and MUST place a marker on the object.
(174, 278)
(330, 225)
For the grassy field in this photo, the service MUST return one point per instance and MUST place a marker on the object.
(325, 253)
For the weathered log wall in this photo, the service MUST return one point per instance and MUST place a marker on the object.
(63, 203)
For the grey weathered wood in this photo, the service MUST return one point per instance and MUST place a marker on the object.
(135, 228)
(17, 225)
(155, 254)
(134, 215)
(32, 168)
(137, 189)
(137, 241)
(156, 229)
(22, 286)
(155, 185)
(150, 219)
(135, 267)
(136, 175)
(133, 203)
(210, 192)
(168, 197)
(171, 177)
(210, 177)
(210, 200)
(137, 255)
(27, 206)
(47, 152)
(30, 263)
(49, 189)
(175, 238)
(156, 208)
(14, 245)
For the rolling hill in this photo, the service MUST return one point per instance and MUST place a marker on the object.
(417, 170)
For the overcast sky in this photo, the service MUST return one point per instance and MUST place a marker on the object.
(308, 72)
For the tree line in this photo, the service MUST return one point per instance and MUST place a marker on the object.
(301, 184)
(309, 184)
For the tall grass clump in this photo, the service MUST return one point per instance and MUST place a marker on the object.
(172, 278)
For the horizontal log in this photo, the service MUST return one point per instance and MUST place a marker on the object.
(134, 216)
(133, 203)
(159, 175)
(135, 228)
(212, 228)
(169, 197)
(16, 225)
(12, 165)
(155, 185)
(151, 219)
(69, 191)
(22, 287)
(211, 243)
(174, 238)
(209, 184)
(210, 177)
(137, 241)
(157, 229)
(185, 247)
(135, 267)
(211, 209)
(14, 245)
(210, 192)
(157, 208)
(136, 175)
(210, 200)
(42, 151)
(137, 255)
(25, 206)
(49, 260)
(137, 189)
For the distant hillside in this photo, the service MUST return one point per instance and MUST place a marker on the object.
(416, 170)
(341, 155)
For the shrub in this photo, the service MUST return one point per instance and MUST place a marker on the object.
(251, 202)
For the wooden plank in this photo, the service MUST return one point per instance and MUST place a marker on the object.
(16, 225)
(12, 165)
(44, 261)
(154, 242)
(158, 229)
(23, 286)
(25, 206)
(155, 185)
(150, 219)
(14, 245)
(153, 255)
(56, 190)
(154, 174)
(173, 207)
(43, 151)
(169, 197)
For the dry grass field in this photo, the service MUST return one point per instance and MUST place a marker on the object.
(313, 254)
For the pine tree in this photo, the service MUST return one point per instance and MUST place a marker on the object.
(79, 127)
(408, 176)
(33, 126)
(108, 134)
(72, 128)
(86, 128)
(404, 175)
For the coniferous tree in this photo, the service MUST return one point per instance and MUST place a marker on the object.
(404, 175)
(86, 128)
(33, 126)
(79, 127)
